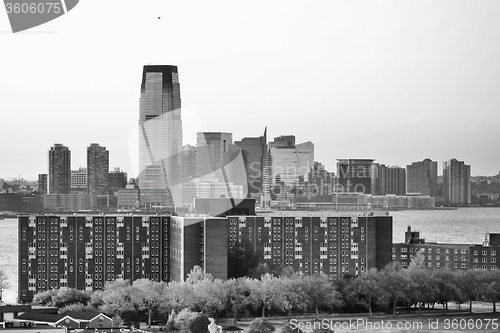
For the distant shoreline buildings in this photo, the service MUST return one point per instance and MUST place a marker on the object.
(278, 174)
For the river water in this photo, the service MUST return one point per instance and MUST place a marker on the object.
(464, 225)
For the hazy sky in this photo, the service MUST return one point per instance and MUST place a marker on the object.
(397, 81)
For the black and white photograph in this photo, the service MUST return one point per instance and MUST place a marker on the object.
(256, 166)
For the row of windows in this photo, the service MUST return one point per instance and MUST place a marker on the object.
(429, 250)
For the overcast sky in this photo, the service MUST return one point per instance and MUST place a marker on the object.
(397, 81)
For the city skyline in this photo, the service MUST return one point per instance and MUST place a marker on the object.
(396, 82)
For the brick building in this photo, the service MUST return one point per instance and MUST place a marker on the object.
(85, 251)
(454, 256)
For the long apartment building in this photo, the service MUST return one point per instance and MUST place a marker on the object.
(85, 251)
(484, 256)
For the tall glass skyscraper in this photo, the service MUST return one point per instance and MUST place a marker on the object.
(160, 136)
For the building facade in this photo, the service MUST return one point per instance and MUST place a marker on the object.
(356, 176)
(59, 175)
(188, 163)
(160, 133)
(210, 150)
(85, 251)
(392, 180)
(257, 164)
(42, 183)
(97, 170)
(422, 178)
(290, 165)
(484, 256)
(79, 181)
(457, 182)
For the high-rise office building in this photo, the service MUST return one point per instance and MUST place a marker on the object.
(79, 181)
(392, 180)
(211, 148)
(97, 170)
(42, 183)
(59, 175)
(355, 175)
(457, 183)
(256, 155)
(160, 135)
(188, 163)
(421, 177)
(117, 179)
(290, 162)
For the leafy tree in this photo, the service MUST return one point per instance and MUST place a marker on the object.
(320, 292)
(66, 296)
(261, 325)
(259, 270)
(130, 317)
(177, 296)
(61, 297)
(184, 318)
(96, 299)
(267, 293)
(169, 326)
(418, 261)
(44, 298)
(78, 307)
(210, 296)
(199, 324)
(237, 291)
(116, 298)
(365, 289)
(423, 287)
(491, 288)
(395, 284)
(197, 275)
(4, 283)
(447, 287)
(146, 295)
(294, 293)
(470, 285)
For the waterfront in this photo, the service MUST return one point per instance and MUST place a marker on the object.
(464, 225)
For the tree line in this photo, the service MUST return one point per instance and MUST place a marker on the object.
(285, 293)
